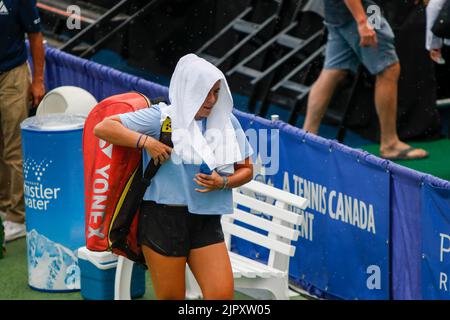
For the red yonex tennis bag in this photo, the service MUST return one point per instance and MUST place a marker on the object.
(114, 184)
(107, 169)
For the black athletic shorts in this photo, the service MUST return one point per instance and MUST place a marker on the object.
(173, 231)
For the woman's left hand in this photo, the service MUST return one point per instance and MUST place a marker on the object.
(209, 182)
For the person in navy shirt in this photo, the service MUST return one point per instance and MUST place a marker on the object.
(17, 92)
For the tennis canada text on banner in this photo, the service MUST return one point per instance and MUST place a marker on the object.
(337, 205)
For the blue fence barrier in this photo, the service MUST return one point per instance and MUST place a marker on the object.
(344, 244)
(367, 231)
(435, 242)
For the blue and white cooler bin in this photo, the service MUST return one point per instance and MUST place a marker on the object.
(98, 271)
(54, 200)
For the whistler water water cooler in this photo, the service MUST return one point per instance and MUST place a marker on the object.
(54, 200)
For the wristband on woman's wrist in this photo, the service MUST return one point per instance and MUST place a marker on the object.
(139, 140)
(225, 182)
(143, 145)
(137, 143)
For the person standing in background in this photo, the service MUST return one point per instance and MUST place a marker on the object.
(434, 44)
(439, 49)
(17, 88)
(418, 117)
(351, 41)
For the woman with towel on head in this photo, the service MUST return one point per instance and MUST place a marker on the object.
(180, 214)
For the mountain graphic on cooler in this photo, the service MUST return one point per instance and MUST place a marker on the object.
(51, 266)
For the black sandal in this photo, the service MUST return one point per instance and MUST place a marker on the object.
(403, 155)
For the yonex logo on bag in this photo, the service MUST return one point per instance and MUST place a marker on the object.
(106, 149)
(3, 9)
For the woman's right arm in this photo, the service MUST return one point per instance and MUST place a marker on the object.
(113, 131)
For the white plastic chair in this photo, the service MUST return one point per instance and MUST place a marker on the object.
(122, 284)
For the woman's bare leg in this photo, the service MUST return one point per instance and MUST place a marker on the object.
(211, 268)
(168, 274)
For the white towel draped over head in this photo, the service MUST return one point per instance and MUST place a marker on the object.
(190, 84)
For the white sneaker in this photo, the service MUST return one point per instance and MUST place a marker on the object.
(14, 230)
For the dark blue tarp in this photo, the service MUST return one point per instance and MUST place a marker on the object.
(406, 233)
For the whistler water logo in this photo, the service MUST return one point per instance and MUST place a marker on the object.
(37, 195)
(37, 170)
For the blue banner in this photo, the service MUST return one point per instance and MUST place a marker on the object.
(435, 243)
(343, 247)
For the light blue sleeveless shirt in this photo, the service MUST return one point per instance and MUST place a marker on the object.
(173, 184)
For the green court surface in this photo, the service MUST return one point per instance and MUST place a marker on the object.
(437, 164)
(14, 279)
